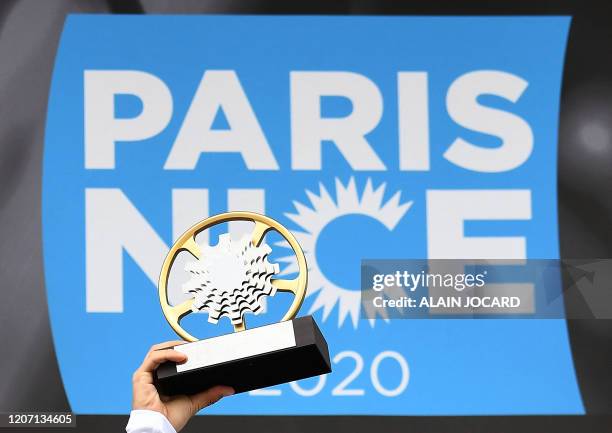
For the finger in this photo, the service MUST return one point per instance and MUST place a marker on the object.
(153, 359)
(165, 345)
(210, 396)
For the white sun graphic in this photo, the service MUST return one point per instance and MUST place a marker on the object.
(314, 219)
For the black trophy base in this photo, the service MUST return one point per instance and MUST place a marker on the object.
(248, 360)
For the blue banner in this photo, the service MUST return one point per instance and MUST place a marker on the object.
(368, 137)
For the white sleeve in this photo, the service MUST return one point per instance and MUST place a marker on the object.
(148, 421)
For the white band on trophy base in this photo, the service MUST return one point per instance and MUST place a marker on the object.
(238, 345)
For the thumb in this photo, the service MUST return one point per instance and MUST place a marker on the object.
(210, 396)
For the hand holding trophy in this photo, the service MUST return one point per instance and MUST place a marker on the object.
(229, 280)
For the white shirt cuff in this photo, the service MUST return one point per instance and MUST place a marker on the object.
(148, 421)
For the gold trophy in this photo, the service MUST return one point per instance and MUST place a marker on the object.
(229, 280)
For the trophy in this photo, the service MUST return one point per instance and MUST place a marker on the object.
(229, 280)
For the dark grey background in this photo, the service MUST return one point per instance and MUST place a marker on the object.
(29, 33)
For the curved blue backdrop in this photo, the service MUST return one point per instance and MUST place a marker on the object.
(111, 211)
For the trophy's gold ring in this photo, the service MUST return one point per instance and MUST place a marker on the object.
(263, 224)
